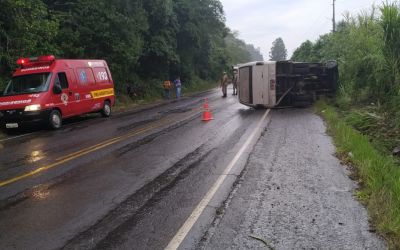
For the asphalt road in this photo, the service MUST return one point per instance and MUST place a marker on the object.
(159, 177)
(296, 193)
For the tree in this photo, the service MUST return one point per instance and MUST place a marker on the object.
(278, 51)
(254, 52)
(26, 29)
(159, 53)
(304, 53)
(144, 42)
(110, 30)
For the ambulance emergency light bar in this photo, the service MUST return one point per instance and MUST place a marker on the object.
(40, 59)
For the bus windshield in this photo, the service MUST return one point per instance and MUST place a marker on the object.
(27, 84)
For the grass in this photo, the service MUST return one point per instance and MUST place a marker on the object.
(377, 172)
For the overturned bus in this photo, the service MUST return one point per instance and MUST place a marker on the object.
(286, 83)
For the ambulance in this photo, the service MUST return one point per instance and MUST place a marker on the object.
(46, 90)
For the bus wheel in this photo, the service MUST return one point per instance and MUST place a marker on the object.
(55, 120)
(106, 111)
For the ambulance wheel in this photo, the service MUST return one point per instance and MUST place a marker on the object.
(106, 111)
(55, 120)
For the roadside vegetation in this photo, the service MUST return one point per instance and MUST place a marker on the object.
(377, 173)
(144, 42)
(364, 118)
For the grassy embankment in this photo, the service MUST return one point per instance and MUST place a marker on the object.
(364, 140)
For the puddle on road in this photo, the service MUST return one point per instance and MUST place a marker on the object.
(35, 156)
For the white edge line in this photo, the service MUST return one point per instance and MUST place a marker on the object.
(194, 216)
(15, 137)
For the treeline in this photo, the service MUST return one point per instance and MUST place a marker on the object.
(142, 40)
(367, 47)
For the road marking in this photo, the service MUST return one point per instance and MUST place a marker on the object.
(90, 149)
(15, 137)
(194, 216)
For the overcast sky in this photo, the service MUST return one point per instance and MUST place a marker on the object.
(260, 22)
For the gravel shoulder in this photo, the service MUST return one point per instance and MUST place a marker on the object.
(295, 194)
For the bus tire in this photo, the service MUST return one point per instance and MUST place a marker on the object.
(106, 110)
(55, 119)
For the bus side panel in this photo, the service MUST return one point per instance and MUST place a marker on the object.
(258, 85)
(271, 84)
(245, 85)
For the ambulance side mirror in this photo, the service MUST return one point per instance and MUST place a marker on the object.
(57, 89)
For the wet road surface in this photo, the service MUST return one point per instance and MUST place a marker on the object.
(131, 181)
(296, 194)
(113, 170)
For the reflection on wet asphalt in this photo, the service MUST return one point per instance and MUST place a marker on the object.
(53, 208)
(138, 191)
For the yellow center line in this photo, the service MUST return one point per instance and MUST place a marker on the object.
(90, 149)
(156, 124)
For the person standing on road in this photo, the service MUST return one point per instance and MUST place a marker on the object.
(224, 84)
(129, 89)
(235, 82)
(178, 87)
(167, 89)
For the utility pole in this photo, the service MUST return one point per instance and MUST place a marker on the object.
(334, 17)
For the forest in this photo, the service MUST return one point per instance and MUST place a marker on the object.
(143, 41)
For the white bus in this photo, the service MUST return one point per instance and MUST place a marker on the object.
(285, 83)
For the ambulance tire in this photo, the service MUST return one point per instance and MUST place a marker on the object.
(55, 119)
(106, 111)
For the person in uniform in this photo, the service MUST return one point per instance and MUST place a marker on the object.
(235, 80)
(224, 84)
(167, 89)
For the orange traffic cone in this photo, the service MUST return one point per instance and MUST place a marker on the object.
(207, 116)
(205, 106)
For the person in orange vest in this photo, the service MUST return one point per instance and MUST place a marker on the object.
(224, 84)
(167, 86)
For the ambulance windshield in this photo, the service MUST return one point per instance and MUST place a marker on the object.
(27, 84)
